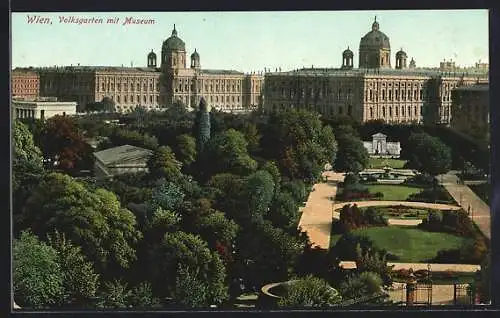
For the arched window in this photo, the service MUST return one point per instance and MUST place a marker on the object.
(390, 111)
(371, 112)
(383, 111)
(349, 110)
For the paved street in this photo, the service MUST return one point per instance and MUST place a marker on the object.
(465, 197)
(463, 268)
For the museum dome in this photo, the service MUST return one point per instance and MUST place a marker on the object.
(174, 42)
(375, 38)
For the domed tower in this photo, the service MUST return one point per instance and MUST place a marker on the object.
(375, 49)
(152, 59)
(195, 60)
(401, 59)
(173, 52)
(347, 59)
(412, 63)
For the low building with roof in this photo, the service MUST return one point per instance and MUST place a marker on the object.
(41, 109)
(121, 160)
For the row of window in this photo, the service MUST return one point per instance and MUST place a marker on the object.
(396, 111)
(137, 99)
(398, 95)
(111, 87)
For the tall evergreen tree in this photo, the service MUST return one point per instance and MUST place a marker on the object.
(204, 125)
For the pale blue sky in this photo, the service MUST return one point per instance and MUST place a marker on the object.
(250, 41)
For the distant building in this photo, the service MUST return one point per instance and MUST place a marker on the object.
(373, 91)
(41, 109)
(160, 83)
(25, 84)
(120, 160)
(379, 146)
(471, 111)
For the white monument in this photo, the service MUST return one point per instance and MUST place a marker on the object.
(379, 146)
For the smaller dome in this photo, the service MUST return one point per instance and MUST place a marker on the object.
(151, 54)
(195, 55)
(348, 52)
(401, 53)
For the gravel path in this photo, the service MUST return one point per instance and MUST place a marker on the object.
(316, 217)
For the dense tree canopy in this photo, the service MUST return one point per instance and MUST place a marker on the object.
(63, 143)
(227, 152)
(352, 156)
(163, 164)
(27, 165)
(37, 276)
(188, 251)
(300, 143)
(92, 219)
(427, 154)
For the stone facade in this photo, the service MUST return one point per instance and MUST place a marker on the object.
(155, 86)
(25, 84)
(471, 111)
(372, 92)
(41, 109)
(379, 146)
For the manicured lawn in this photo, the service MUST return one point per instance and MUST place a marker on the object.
(393, 192)
(379, 163)
(482, 191)
(411, 244)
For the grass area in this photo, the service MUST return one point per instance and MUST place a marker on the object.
(411, 244)
(393, 192)
(379, 163)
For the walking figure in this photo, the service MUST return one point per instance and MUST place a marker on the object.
(468, 210)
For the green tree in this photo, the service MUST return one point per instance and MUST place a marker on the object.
(252, 136)
(113, 295)
(80, 282)
(257, 195)
(186, 149)
(227, 152)
(163, 164)
(285, 212)
(215, 227)
(141, 296)
(27, 165)
(359, 285)
(166, 195)
(37, 276)
(352, 156)
(187, 250)
(309, 291)
(427, 154)
(274, 171)
(299, 142)
(270, 253)
(92, 219)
